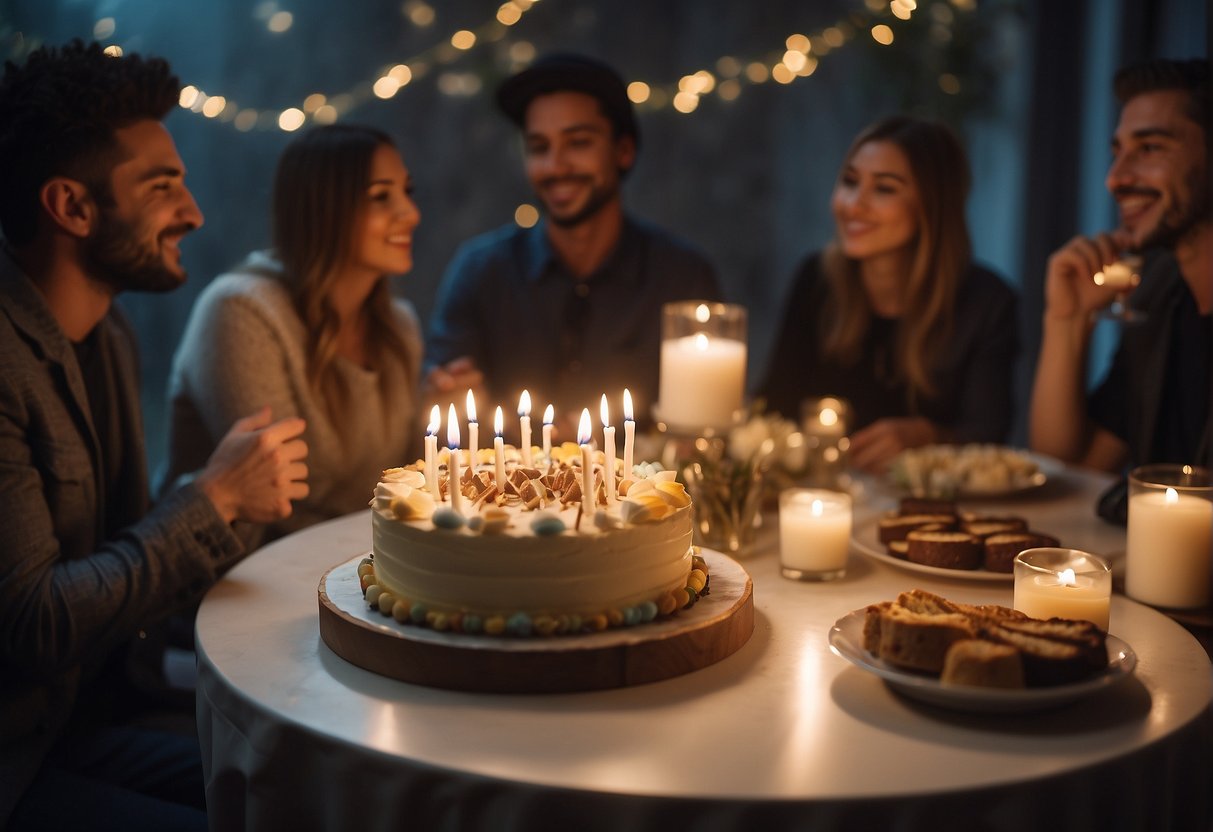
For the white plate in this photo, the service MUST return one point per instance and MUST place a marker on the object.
(1046, 467)
(846, 640)
(865, 538)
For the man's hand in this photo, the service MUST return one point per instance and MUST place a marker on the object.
(455, 377)
(257, 469)
(1070, 291)
(873, 448)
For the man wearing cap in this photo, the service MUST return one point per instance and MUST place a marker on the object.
(570, 308)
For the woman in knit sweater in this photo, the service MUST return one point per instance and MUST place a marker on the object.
(310, 329)
(894, 315)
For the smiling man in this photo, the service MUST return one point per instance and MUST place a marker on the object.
(1154, 404)
(93, 202)
(570, 308)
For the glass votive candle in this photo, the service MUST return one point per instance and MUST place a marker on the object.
(1170, 538)
(1063, 583)
(825, 421)
(814, 533)
(703, 362)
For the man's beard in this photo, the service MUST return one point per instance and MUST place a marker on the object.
(1178, 222)
(114, 256)
(599, 198)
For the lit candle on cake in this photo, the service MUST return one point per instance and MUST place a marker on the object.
(454, 471)
(1063, 583)
(608, 448)
(549, 416)
(499, 449)
(587, 465)
(629, 434)
(524, 419)
(703, 359)
(1167, 558)
(431, 452)
(473, 431)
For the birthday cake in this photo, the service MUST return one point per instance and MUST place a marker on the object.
(522, 553)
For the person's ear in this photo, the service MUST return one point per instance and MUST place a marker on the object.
(69, 205)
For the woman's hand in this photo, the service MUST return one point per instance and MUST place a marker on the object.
(874, 447)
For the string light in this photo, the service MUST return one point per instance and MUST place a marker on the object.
(799, 57)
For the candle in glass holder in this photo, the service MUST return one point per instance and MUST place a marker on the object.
(1170, 537)
(1063, 583)
(703, 359)
(814, 533)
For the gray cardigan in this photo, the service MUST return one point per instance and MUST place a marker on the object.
(68, 596)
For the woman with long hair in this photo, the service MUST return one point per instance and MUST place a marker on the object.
(311, 329)
(894, 315)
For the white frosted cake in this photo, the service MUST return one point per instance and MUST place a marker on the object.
(527, 558)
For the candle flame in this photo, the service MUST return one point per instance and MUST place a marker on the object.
(452, 428)
(604, 412)
(1066, 578)
(498, 422)
(435, 421)
(818, 508)
(627, 405)
(549, 415)
(471, 407)
(701, 342)
(829, 416)
(583, 427)
(1171, 497)
(524, 404)
(702, 313)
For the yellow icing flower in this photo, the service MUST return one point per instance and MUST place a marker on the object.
(674, 493)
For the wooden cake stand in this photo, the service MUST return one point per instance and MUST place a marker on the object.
(717, 626)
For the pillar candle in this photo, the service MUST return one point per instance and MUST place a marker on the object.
(629, 434)
(1170, 538)
(524, 419)
(702, 380)
(587, 465)
(454, 474)
(608, 449)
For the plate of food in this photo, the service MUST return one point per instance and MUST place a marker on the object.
(935, 537)
(970, 471)
(986, 674)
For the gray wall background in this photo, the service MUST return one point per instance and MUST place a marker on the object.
(748, 180)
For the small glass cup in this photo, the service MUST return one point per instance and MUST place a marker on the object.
(814, 533)
(825, 422)
(1124, 276)
(1053, 582)
(1170, 537)
(726, 495)
(703, 363)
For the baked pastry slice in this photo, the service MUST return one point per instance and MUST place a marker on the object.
(984, 664)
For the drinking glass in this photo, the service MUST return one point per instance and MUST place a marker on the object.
(1124, 276)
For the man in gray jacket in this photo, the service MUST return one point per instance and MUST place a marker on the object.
(93, 202)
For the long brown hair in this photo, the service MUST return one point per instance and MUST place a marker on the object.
(319, 199)
(941, 255)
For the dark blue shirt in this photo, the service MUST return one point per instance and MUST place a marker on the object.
(508, 302)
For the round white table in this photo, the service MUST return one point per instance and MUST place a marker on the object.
(782, 734)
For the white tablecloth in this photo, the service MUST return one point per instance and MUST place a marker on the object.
(782, 734)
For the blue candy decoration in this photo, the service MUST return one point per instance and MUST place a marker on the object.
(519, 624)
(447, 518)
(647, 610)
(547, 524)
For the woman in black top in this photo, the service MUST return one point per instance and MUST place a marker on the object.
(893, 315)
